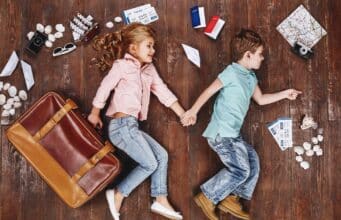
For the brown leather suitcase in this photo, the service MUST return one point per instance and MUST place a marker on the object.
(64, 149)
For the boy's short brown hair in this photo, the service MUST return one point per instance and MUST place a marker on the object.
(245, 40)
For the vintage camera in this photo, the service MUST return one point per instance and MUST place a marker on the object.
(36, 42)
(302, 50)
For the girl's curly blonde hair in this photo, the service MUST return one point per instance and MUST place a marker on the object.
(114, 45)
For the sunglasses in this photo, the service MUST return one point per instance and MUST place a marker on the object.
(69, 47)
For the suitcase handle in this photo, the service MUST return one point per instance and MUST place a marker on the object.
(93, 161)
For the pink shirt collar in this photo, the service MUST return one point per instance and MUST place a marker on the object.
(135, 61)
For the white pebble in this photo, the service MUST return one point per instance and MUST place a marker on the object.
(23, 95)
(17, 104)
(316, 147)
(7, 106)
(60, 28)
(299, 150)
(320, 138)
(52, 38)
(12, 111)
(48, 43)
(2, 99)
(306, 146)
(12, 91)
(305, 165)
(30, 35)
(118, 19)
(5, 113)
(40, 28)
(58, 35)
(309, 153)
(314, 140)
(299, 158)
(48, 29)
(6, 86)
(109, 24)
(319, 152)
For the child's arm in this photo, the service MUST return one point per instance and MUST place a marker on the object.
(94, 117)
(190, 117)
(177, 108)
(263, 99)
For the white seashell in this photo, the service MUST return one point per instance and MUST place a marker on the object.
(12, 91)
(2, 99)
(76, 36)
(305, 165)
(299, 150)
(58, 35)
(16, 98)
(17, 104)
(316, 147)
(52, 38)
(309, 153)
(320, 138)
(109, 24)
(5, 113)
(118, 19)
(314, 140)
(60, 28)
(307, 146)
(48, 29)
(48, 43)
(30, 35)
(6, 86)
(10, 101)
(299, 158)
(22, 95)
(40, 28)
(319, 152)
(12, 111)
(7, 106)
(320, 131)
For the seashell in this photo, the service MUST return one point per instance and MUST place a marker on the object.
(316, 147)
(75, 36)
(48, 29)
(320, 131)
(109, 24)
(12, 111)
(12, 91)
(308, 122)
(314, 140)
(7, 106)
(60, 28)
(299, 150)
(58, 35)
(5, 113)
(22, 95)
(118, 19)
(299, 158)
(30, 35)
(17, 104)
(307, 146)
(319, 152)
(6, 86)
(309, 153)
(52, 38)
(48, 43)
(2, 99)
(40, 28)
(16, 98)
(10, 101)
(320, 138)
(305, 165)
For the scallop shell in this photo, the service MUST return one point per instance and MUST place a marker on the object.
(307, 146)
(305, 165)
(48, 29)
(12, 91)
(319, 152)
(52, 38)
(316, 147)
(40, 28)
(309, 153)
(30, 35)
(58, 35)
(299, 158)
(314, 140)
(60, 28)
(48, 43)
(23, 95)
(299, 150)
(2, 99)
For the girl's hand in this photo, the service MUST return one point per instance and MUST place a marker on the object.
(189, 118)
(95, 120)
(291, 94)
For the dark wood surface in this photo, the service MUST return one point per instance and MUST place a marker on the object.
(284, 191)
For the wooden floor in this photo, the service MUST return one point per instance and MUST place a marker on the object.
(284, 191)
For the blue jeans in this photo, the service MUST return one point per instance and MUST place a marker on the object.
(151, 157)
(240, 175)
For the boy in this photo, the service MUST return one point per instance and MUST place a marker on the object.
(237, 84)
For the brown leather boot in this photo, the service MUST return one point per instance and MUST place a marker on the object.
(206, 205)
(232, 205)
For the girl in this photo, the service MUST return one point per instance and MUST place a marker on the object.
(132, 77)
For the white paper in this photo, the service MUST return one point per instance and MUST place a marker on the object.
(28, 74)
(11, 65)
(192, 54)
(301, 27)
(281, 130)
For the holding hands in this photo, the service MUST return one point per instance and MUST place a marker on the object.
(188, 118)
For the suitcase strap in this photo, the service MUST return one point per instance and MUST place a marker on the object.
(55, 119)
(93, 161)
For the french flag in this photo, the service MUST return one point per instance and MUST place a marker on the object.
(214, 27)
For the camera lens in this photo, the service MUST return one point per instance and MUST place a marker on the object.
(38, 41)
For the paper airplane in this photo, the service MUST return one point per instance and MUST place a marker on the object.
(28, 75)
(192, 54)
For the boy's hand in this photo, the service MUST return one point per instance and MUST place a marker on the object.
(95, 120)
(189, 118)
(291, 93)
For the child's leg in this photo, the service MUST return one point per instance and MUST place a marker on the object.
(234, 155)
(245, 190)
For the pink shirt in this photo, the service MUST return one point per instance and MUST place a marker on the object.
(132, 85)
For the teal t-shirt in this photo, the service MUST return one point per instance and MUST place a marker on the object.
(232, 102)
